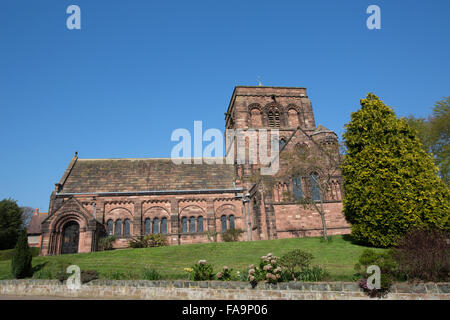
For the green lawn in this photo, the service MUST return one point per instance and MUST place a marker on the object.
(338, 257)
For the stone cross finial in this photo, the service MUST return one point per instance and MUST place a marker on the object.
(259, 81)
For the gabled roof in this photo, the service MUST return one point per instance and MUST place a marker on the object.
(35, 223)
(134, 175)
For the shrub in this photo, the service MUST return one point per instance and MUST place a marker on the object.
(202, 271)
(138, 242)
(388, 269)
(151, 273)
(156, 240)
(224, 275)
(147, 241)
(424, 255)
(88, 275)
(106, 243)
(391, 183)
(212, 235)
(268, 270)
(231, 235)
(21, 260)
(296, 261)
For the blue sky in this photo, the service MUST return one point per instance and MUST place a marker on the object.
(137, 70)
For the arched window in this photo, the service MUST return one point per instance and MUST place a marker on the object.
(147, 226)
(282, 143)
(274, 118)
(110, 226)
(297, 188)
(126, 227)
(118, 228)
(191, 224)
(184, 224)
(164, 225)
(231, 218)
(156, 225)
(200, 224)
(314, 185)
(223, 219)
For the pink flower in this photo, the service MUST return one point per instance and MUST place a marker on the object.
(202, 262)
(251, 271)
(251, 278)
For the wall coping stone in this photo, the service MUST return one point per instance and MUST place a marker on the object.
(398, 287)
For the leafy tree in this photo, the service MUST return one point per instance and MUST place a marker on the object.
(391, 183)
(434, 133)
(21, 260)
(10, 223)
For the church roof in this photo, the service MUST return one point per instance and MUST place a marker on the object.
(137, 175)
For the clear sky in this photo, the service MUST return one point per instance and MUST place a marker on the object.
(137, 70)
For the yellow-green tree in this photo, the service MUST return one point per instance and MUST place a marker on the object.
(391, 183)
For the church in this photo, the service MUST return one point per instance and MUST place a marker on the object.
(188, 202)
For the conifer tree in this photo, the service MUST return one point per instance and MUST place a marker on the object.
(21, 261)
(391, 183)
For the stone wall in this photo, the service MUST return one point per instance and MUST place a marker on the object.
(211, 290)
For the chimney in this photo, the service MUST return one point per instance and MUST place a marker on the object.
(36, 212)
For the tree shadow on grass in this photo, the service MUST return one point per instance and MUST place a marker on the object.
(39, 267)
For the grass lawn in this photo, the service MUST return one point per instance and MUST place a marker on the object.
(338, 257)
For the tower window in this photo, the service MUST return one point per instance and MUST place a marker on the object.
(274, 119)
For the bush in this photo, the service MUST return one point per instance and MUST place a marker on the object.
(388, 269)
(224, 275)
(212, 235)
(390, 183)
(156, 240)
(147, 241)
(296, 261)
(88, 275)
(424, 255)
(106, 243)
(268, 270)
(150, 273)
(202, 271)
(21, 260)
(231, 235)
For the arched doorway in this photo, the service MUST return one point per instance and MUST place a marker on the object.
(71, 235)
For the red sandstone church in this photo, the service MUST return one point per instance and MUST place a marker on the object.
(133, 197)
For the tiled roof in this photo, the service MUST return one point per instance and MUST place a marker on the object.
(35, 223)
(132, 175)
